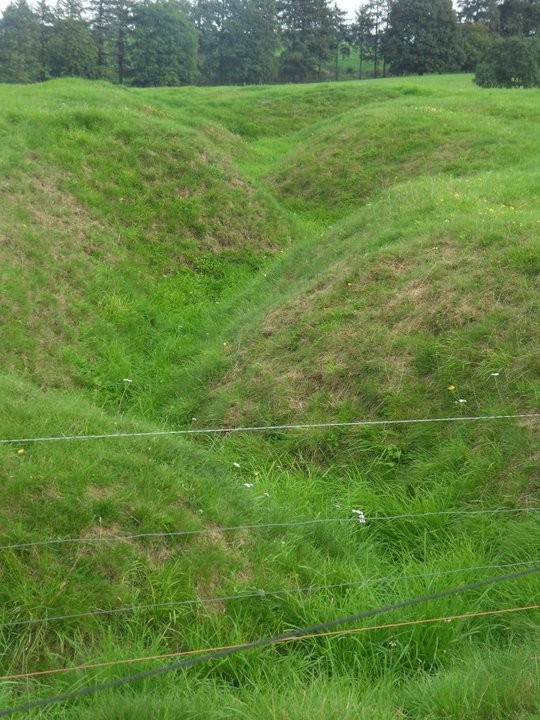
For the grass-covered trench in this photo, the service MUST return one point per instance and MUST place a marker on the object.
(206, 257)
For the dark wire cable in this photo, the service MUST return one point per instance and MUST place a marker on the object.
(262, 642)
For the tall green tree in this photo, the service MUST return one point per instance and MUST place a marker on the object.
(378, 11)
(210, 17)
(71, 50)
(423, 37)
(69, 9)
(164, 50)
(20, 57)
(308, 35)
(248, 42)
(480, 22)
(101, 16)
(342, 37)
(476, 38)
(485, 12)
(520, 18)
(237, 40)
(121, 29)
(363, 36)
(45, 16)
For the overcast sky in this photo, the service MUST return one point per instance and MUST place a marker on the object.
(348, 5)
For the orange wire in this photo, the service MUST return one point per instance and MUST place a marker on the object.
(331, 633)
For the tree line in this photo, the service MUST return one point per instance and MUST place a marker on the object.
(429, 36)
(176, 42)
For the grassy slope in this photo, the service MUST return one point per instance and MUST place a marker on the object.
(122, 229)
(424, 279)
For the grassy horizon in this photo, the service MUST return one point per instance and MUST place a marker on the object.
(175, 258)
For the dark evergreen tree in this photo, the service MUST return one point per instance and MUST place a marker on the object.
(342, 37)
(476, 38)
(423, 37)
(164, 50)
(520, 17)
(71, 50)
(45, 16)
(248, 42)
(485, 12)
(101, 17)
(309, 36)
(480, 21)
(378, 11)
(363, 36)
(532, 18)
(210, 16)
(20, 46)
(121, 28)
(69, 9)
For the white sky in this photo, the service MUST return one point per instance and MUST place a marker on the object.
(349, 5)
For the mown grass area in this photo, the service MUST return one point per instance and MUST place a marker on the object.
(194, 257)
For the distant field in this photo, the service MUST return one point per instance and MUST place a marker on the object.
(206, 257)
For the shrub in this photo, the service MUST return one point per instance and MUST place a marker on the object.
(510, 62)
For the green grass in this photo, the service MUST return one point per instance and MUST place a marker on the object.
(269, 255)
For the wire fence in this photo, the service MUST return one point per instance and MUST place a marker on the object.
(359, 517)
(266, 428)
(320, 630)
(262, 594)
(310, 636)
(211, 654)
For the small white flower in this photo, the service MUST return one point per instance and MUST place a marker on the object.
(461, 400)
(237, 465)
(248, 485)
(127, 380)
(360, 516)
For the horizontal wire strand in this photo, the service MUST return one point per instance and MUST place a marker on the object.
(261, 643)
(309, 636)
(264, 594)
(364, 520)
(264, 428)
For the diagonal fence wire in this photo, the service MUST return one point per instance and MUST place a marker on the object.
(332, 633)
(361, 519)
(267, 428)
(262, 594)
(224, 652)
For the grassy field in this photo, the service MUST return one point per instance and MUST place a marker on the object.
(185, 258)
